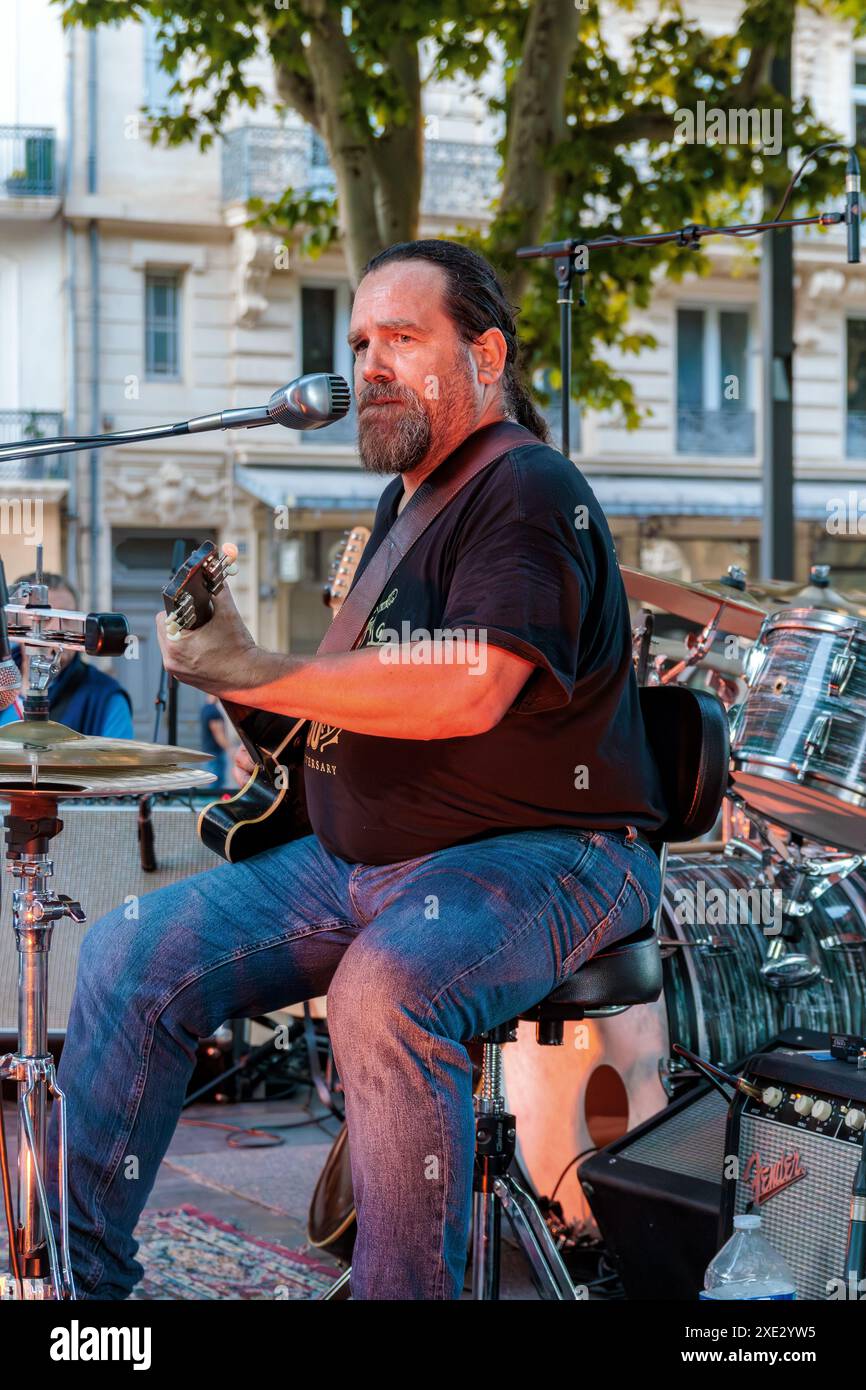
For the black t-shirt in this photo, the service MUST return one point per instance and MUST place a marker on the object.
(523, 558)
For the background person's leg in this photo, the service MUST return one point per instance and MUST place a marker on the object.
(455, 943)
(234, 941)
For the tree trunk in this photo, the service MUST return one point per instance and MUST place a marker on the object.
(535, 124)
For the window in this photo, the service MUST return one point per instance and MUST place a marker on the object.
(162, 326)
(856, 385)
(157, 82)
(325, 311)
(713, 414)
(859, 94)
(318, 315)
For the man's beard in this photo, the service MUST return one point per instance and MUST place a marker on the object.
(397, 438)
(393, 438)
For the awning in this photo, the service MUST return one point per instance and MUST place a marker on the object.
(636, 495)
(322, 489)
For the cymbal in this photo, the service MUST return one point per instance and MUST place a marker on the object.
(47, 745)
(142, 781)
(697, 603)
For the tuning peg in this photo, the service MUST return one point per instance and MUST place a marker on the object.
(230, 553)
(172, 629)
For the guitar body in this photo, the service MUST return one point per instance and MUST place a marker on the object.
(270, 809)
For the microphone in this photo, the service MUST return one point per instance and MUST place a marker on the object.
(10, 676)
(852, 207)
(307, 403)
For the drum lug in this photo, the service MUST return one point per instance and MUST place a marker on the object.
(841, 670)
(816, 740)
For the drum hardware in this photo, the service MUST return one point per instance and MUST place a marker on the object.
(702, 604)
(785, 969)
(43, 1272)
(40, 761)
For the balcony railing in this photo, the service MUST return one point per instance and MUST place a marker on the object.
(32, 425)
(726, 432)
(856, 434)
(460, 179)
(28, 161)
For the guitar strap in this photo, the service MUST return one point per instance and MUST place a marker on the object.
(474, 454)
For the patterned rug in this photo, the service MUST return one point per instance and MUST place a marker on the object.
(188, 1254)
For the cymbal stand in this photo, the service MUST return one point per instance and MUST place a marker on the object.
(45, 1271)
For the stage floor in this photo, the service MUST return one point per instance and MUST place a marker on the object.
(264, 1193)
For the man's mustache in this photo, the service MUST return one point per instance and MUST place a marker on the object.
(376, 394)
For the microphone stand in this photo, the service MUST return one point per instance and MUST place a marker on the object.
(571, 256)
(167, 685)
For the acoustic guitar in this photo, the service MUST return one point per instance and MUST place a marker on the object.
(270, 808)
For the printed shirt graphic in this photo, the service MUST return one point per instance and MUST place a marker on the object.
(521, 559)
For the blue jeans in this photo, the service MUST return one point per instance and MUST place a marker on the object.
(415, 958)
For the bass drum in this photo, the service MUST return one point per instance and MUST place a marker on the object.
(608, 1076)
(715, 942)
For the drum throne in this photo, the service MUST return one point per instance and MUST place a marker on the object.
(688, 732)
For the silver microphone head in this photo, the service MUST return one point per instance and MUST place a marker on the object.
(10, 683)
(314, 400)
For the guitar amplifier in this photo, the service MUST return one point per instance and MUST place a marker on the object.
(96, 860)
(797, 1152)
(663, 1207)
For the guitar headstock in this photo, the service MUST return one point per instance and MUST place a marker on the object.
(188, 596)
(344, 567)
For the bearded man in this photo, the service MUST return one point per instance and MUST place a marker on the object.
(477, 821)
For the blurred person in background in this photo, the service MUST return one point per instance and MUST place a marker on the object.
(81, 696)
(215, 740)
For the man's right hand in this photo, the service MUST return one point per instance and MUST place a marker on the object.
(243, 766)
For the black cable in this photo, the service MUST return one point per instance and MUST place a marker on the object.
(591, 1150)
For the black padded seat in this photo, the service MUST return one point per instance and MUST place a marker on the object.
(628, 972)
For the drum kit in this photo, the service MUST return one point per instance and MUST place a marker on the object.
(42, 763)
(764, 927)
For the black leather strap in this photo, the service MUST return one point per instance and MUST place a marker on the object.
(474, 454)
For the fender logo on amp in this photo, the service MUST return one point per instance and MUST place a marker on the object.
(768, 1179)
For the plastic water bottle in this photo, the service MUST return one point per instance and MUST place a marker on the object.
(747, 1266)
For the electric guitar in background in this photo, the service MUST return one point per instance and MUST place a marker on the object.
(270, 808)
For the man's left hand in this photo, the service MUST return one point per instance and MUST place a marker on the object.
(217, 657)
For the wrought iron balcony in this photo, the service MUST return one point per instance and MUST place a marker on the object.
(28, 161)
(460, 179)
(32, 425)
(718, 432)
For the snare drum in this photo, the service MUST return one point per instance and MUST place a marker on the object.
(798, 741)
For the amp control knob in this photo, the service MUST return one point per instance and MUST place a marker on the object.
(803, 1104)
(855, 1119)
(821, 1110)
(772, 1097)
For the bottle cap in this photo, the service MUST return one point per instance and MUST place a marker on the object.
(747, 1222)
